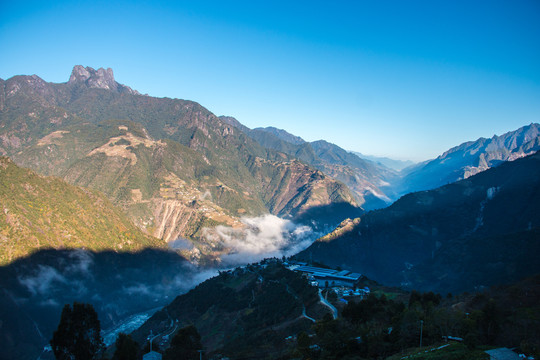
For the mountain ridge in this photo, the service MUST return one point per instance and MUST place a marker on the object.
(394, 164)
(367, 180)
(470, 158)
(173, 166)
(428, 230)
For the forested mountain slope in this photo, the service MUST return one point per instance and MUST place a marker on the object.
(171, 165)
(475, 232)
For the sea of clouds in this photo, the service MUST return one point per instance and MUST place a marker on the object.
(261, 237)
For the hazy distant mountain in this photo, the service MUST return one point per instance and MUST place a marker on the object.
(476, 232)
(394, 164)
(370, 182)
(470, 158)
(171, 165)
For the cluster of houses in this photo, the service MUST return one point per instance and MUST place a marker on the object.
(326, 278)
(343, 282)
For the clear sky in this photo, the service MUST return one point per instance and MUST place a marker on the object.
(406, 79)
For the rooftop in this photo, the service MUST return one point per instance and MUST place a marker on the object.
(322, 272)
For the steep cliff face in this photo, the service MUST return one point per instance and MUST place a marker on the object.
(97, 79)
(157, 183)
(292, 188)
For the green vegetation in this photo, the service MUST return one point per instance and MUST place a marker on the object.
(125, 348)
(42, 212)
(244, 313)
(171, 165)
(185, 344)
(379, 328)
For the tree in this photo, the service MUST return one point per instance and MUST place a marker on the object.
(126, 348)
(490, 321)
(78, 335)
(185, 344)
(302, 343)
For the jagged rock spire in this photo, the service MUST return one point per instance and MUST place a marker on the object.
(100, 79)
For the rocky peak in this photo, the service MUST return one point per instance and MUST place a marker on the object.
(79, 74)
(99, 79)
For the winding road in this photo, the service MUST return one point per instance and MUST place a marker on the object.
(327, 304)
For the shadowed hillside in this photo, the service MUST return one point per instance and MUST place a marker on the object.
(34, 290)
(476, 232)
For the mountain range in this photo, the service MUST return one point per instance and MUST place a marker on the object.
(172, 166)
(469, 159)
(473, 233)
(377, 182)
(394, 164)
(368, 181)
(93, 174)
(178, 172)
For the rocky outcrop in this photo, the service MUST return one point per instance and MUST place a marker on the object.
(294, 189)
(98, 79)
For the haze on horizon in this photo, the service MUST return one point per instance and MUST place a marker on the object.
(404, 80)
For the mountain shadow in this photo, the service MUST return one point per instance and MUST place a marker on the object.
(35, 288)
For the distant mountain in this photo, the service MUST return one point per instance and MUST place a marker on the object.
(246, 313)
(171, 165)
(394, 164)
(369, 182)
(283, 135)
(45, 212)
(377, 182)
(233, 122)
(470, 158)
(476, 232)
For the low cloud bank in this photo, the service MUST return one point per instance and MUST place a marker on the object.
(262, 237)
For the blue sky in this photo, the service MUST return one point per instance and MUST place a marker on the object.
(406, 79)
